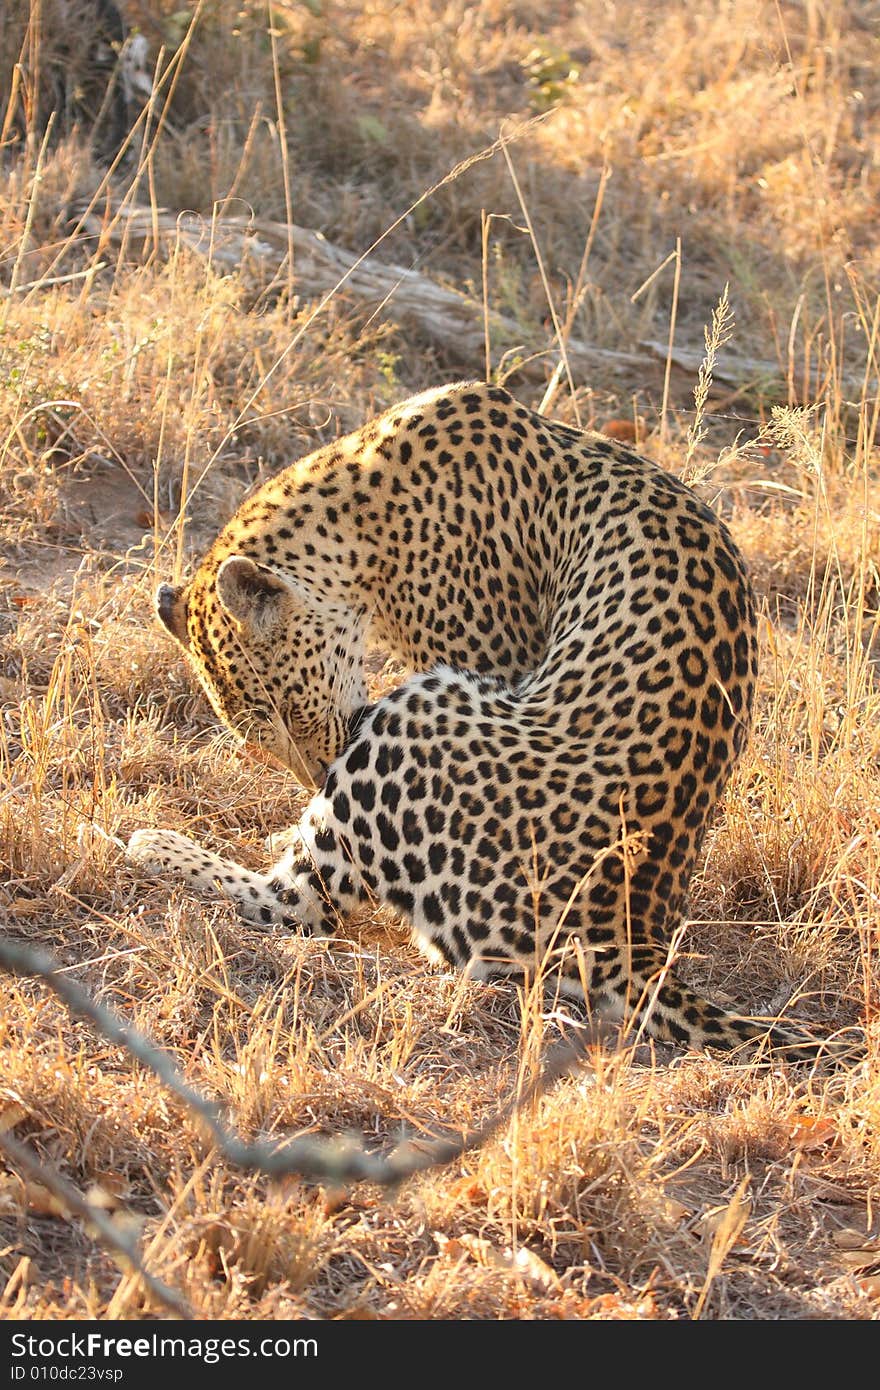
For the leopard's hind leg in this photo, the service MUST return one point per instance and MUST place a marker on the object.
(635, 984)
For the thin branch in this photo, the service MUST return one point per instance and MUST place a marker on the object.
(73, 1201)
(331, 1160)
(673, 314)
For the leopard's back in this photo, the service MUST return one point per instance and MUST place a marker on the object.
(583, 637)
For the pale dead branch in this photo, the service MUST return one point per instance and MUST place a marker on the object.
(446, 316)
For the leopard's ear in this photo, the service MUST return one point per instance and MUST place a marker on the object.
(253, 594)
(171, 608)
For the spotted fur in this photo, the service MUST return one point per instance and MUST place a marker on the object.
(582, 631)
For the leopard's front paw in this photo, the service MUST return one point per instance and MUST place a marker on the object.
(159, 851)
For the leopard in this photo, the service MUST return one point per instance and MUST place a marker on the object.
(580, 635)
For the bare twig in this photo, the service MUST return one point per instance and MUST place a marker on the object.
(49, 1177)
(673, 314)
(335, 1160)
(557, 327)
(29, 218)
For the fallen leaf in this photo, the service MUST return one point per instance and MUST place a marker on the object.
(847, 1238)
(449, 1247)
(860, 1259)
(11, 1114)
(729, 1219)
(371, 129)
(812, 1131)
(145, 518)
(870, 1285)
(621, 429)
(607, 1306)
(42, 1202)
(536, 1269)
(335, 1199)
(468, 1190)
(26, 907)
(523, 1261)
(673, 1213)
(108, 1190)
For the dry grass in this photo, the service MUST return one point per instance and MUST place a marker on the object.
(644, 1187)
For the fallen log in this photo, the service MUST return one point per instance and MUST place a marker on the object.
(446, 316)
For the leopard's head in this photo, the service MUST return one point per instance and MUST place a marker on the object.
(282, 667)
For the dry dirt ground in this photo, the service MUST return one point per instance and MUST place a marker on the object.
(657, 154)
